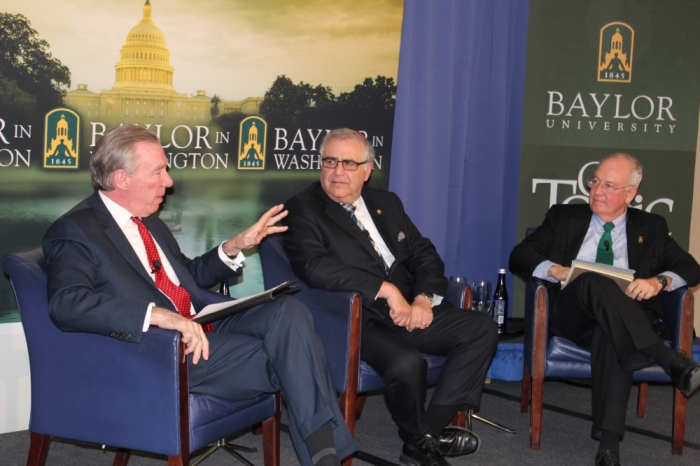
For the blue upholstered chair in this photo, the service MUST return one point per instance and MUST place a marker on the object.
(337, 319)
(547, 356)
(97, 389)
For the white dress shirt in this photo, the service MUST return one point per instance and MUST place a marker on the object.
(362, 214)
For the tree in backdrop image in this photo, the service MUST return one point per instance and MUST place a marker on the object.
(297, 105)
(32, 81)
(368, 107)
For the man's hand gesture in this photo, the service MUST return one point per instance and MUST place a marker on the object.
(253, 235)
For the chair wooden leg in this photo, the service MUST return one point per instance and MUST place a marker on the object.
(642, 400)
(538, 367)
(271, 437)
(348, 405)
(360, 405)
(525, 395)
(121, 457)
(460, 419)
(184, 407)
(38, 449)
(347, 461)
(680, 403)
(536, 411)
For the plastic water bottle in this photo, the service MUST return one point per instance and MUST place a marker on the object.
(500, 302)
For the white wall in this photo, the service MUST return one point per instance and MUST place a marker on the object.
(15, 394)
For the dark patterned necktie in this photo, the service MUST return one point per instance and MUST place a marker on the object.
(605, 251)
(351, 209)
(177, 294)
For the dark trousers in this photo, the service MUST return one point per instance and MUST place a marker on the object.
(274, 347)
(467, 338)
(595, 314)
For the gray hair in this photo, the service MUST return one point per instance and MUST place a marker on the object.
(114, 151)
(347, 133)
(636, 175)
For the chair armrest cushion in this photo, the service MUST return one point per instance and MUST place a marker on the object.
(126, 393)
(673, 302)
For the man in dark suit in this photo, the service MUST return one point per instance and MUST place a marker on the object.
(620, 328)
(114, 268)
(346, 237)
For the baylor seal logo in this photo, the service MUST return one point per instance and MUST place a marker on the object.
(615, 53)
(61, 139)
(251, 144)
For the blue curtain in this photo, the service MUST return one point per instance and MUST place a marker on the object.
(456, 146)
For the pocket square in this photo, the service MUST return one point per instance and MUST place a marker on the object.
(401, 236)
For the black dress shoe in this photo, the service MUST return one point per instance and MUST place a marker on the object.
(423, 452)
(458, 441)
(607, 458)
(685, 374)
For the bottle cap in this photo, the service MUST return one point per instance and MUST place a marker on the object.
(501, 270)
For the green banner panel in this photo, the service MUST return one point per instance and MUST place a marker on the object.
(603, 77)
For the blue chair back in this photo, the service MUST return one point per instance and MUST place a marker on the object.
(336, 325)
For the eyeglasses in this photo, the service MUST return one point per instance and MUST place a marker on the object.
(606, 187)
(349, 165)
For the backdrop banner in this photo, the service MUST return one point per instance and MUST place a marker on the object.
(240, 93)
(607, 76)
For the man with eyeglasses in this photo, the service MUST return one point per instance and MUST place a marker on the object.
(623, 330)
(345, 236)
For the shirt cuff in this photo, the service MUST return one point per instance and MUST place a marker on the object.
(234, 263)
(676, 280)
(147, 320)
(542, 269)
(437, 299)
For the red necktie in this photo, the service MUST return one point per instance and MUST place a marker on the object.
(178, 295)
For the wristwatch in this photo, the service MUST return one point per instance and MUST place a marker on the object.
(430, 296)
(664, 282)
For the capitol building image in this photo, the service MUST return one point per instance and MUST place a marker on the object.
(143, 91)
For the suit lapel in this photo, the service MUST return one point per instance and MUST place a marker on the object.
(635, 239)
(578, 227)
(339, 215)
(379, 218)
(116, 236)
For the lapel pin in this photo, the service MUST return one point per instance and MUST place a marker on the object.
(640, 240)
(379, 211)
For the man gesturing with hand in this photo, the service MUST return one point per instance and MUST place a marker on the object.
(114, 268)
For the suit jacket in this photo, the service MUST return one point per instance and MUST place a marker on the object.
(650, 249)
(97, 284)
(327, 249)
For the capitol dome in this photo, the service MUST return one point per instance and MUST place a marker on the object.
(145, 58)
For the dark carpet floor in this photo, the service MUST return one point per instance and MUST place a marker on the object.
(565, 434)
